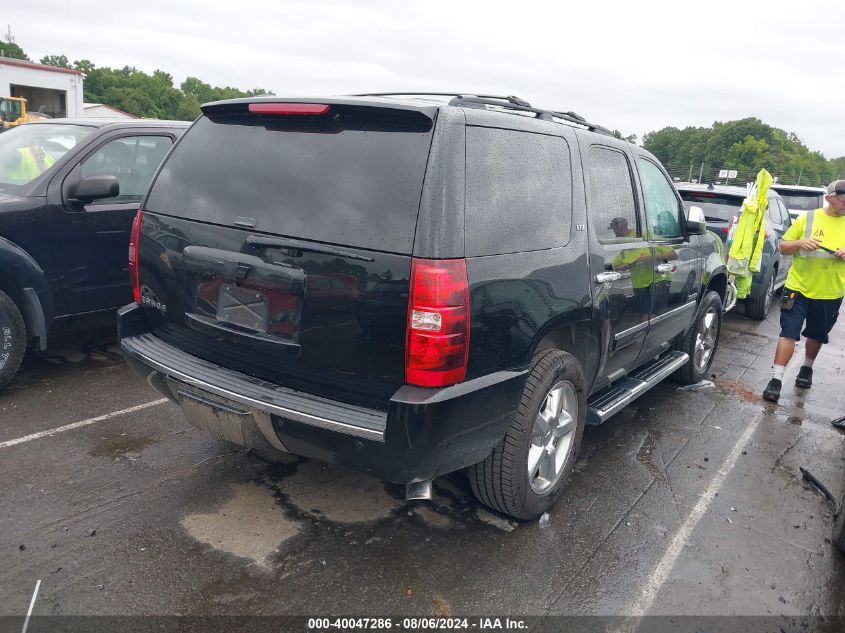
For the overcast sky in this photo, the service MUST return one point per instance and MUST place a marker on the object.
(634, 66)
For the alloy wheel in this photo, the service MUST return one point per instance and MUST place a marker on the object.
(552, 436)
(705, 339)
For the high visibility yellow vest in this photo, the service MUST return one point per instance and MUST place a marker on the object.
(34, 161)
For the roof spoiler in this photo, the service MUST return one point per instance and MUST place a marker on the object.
(336, 104)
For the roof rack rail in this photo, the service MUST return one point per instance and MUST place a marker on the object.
(509, 102)
(510, 98)
(547, 115)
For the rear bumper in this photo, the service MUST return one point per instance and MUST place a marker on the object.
(422, 434)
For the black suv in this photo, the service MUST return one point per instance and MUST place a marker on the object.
(412, 286)
(69, 189)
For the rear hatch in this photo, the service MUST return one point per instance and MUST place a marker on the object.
(800, 201)
(277, 241)
(719, 209)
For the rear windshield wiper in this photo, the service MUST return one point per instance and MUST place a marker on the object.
(283, 242)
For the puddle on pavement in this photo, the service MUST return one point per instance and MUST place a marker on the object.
(431, 517)
(341, 496)
(440, 607)
(646, 455)
(120, 445)
(71, 353)
(495, 520)
(736, 387)
(250, 524)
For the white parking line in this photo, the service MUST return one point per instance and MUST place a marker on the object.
(645, 600)
(31, 605)
(80, 424)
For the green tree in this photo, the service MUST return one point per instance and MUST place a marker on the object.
(56, 60)
(139, 93)
(746, 145)
(631, 138)
(838, 168)
(189, 108)
(83, 65)
(10, 49)
(750, 153)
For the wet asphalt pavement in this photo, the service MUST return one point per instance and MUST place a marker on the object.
(685, 503)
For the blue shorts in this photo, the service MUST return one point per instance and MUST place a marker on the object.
(819, 315)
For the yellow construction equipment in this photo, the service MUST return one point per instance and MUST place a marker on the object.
(13, 112)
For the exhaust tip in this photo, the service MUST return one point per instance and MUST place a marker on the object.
(418, 491)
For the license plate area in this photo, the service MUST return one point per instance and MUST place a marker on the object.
(243, 307)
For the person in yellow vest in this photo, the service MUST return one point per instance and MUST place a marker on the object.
(814, 287)
(27, 164)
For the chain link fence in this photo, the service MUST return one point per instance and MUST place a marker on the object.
(704, 173)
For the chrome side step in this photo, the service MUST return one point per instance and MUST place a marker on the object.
(617, 396)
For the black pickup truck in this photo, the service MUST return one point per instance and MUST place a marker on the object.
(410, 286)
(69, 189)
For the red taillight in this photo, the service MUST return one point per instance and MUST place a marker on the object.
(134, 240)
(437, 342)
(726, 229)
(288, 108)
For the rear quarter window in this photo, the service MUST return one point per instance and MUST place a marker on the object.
(519, 191)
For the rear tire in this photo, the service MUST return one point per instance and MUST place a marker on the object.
(502, 481)
(13, 335)
(758, 308)
(700, 342)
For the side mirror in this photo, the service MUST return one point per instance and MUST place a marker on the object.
(96, 188)
(696, 224)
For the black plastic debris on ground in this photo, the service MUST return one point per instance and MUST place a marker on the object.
(815, 483)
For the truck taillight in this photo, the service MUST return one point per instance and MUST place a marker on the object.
(134, 241)
(437, 344)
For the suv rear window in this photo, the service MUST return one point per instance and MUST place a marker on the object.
(353, 179)
(802, 201)
(518, 192)
(716, 206)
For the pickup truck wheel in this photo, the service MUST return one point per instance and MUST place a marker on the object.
(839, 530)
(700, 342)
(526, 473)
(758, 308)
(12, 339)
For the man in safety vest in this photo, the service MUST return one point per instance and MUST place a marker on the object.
(814, 287)
(29, 163)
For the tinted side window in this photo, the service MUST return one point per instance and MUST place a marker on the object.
(661, 202)
(784, 214)
(610, 195)
(132, 160)
(776, 212)
(519, 191)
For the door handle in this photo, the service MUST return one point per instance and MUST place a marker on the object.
(608, 276)
(664, 268)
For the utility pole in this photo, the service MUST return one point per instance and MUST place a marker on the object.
(701, 173)
(800, 173)
(689, 179)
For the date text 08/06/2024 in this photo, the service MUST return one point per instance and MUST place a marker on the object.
(415, 624)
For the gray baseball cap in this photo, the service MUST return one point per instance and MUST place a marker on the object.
(837, 187)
